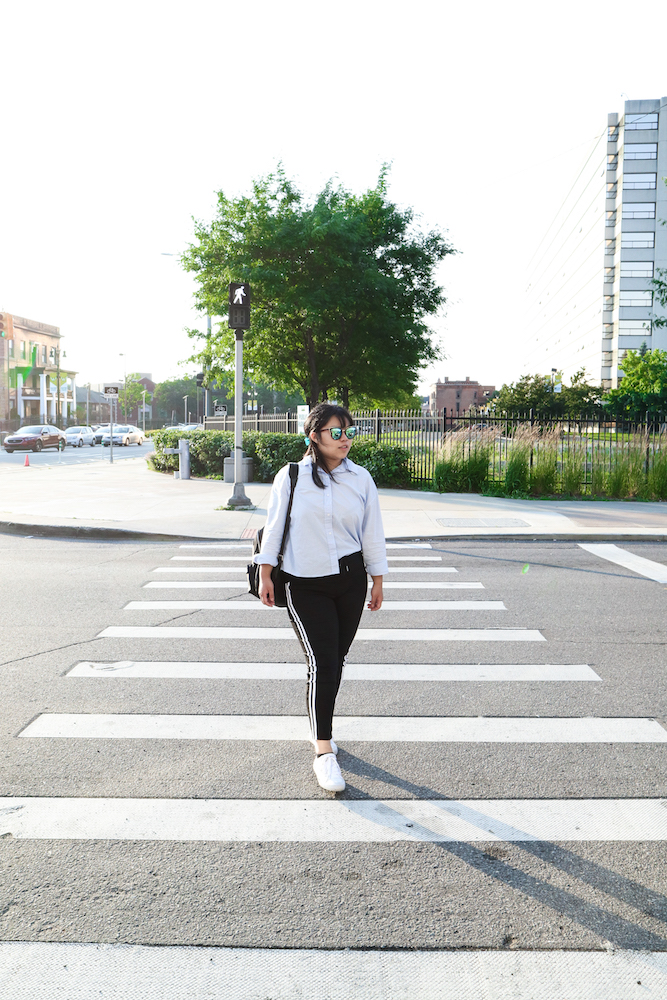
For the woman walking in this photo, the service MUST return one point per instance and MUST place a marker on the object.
(335, 539)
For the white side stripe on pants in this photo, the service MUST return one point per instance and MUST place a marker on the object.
(312, 662)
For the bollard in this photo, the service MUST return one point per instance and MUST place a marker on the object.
(183, 452)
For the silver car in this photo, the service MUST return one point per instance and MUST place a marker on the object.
(78, 436)
(123, 434)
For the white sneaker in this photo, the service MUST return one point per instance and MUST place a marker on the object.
(328, 773)
(334, 748)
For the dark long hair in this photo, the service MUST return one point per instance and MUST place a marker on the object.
(315, 421)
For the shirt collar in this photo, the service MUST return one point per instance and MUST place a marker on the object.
(347, 465)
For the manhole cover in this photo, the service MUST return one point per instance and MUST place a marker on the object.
(482, 522)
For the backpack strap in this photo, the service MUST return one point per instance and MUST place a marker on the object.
(293, 475)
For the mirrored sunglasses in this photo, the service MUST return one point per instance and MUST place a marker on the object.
(337, 432)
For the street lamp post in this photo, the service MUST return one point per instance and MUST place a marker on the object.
(185, 408)
(124, 357)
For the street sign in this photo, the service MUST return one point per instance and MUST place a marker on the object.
(239, 306)
(112, 391)
(301, 414)
(219, 411)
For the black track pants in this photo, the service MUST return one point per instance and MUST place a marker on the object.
(325, 613)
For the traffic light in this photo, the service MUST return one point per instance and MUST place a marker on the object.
(200, 379)
(239, 306)
(3, 325)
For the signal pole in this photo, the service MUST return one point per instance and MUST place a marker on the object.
(239, 320)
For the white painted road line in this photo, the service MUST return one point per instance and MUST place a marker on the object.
(364, 634)
(237, 558)
(408, 545)
(365, 729)
(239, 584)
(83, 971)
(255, 605)
(214, 545)
(334, 820)
(645, 567)
(242, 569)
(195, 669)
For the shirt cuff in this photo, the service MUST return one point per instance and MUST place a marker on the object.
(263, 560)
(378, 568)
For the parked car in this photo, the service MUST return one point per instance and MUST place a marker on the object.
(78, 436)
(123, 434)
(100, 431)
(35, 438)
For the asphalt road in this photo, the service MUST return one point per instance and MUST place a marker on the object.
(498, 894)
(75, 456)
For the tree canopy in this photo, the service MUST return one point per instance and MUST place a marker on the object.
(342, 289)
(536, 392)
(643, 388)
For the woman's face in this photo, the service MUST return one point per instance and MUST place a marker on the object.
(332, 451)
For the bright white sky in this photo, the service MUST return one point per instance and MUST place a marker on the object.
(121, 120)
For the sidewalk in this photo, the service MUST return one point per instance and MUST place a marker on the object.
(127, 500)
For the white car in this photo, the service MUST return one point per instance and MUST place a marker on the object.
(78, 436)
(123, 434)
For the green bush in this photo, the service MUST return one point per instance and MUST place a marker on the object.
(544, 474)
(598, 481)
(517, 473)
(573, 474)
(462, 473)
(447, 476)
(657, 477)
(388, 464)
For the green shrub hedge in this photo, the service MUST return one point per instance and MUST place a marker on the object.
(388, 464)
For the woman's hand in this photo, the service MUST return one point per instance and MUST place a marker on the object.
(375, 602)
(266, 585)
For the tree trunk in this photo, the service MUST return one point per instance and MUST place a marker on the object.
(314, 393)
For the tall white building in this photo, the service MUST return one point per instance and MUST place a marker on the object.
(589, 285)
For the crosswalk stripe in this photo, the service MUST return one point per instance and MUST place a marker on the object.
(364, 634)
(214, 545)
(150, 972)
(252, 604)
(193, 669)
(366, 729)
(408, 545)
(236, 584)
(333, 821)
(237, 558)
(638, 564)
(242, 569)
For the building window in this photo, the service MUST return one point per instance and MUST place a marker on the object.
(609, 273)
(611, 189)
(608, 303)
(636, 268)
(612, 133)
(640, 151)
(634, 122)
(639, 210)
(607, 330)
(637, 241)
(634, 328)
(636, 298)
(609, 246)
(612, 161)
(639, 182)
(23, 350)
(611, 219)
(10, 348)
(43, 354)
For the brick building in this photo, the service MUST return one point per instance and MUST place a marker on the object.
(457, 397)
(31, 366)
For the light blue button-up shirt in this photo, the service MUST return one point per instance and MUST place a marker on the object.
(325, 524)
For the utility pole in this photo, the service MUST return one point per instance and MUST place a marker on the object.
(208, 346)
(143, 408)
(88, 405)
(239, 320)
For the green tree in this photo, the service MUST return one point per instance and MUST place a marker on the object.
(168, 396)
(536, 393)
(342, 289)
(131, 394)
(643, 388)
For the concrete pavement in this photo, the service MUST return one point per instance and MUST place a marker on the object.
(101, 500)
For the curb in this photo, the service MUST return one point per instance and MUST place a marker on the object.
(101, 534)
(126, 534)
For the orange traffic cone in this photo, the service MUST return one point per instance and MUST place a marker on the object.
(27, 462)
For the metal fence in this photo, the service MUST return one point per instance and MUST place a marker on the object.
(579, 447)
